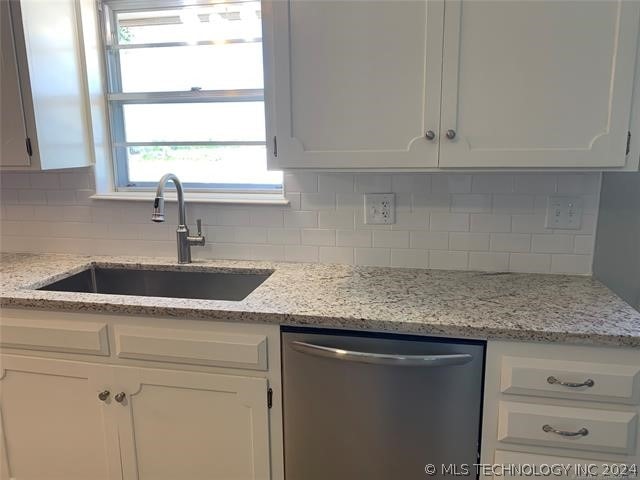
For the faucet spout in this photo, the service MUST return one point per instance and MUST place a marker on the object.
(182, 233)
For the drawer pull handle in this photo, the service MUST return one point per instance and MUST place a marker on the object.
(587, 383)
(583, 432)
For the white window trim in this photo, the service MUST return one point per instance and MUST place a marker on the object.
(106, 188)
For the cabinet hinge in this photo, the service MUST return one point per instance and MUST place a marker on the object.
(269, 398)
(275, 146)
(628, 142)
(28, 144)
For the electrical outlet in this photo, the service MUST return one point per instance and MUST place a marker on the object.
(564, 213)
(379, 208)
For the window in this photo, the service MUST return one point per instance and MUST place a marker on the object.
(185, 92)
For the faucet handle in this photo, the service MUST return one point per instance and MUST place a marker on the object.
(199, 225)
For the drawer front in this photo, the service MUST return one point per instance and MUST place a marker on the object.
(600, 430)
(54, 335)
(575, 380)
(193, 347)
(521, 465)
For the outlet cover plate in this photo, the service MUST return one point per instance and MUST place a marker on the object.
(379, 208)
(564, 213)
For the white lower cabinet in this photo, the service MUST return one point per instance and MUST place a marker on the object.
(53, 424)
(191, 425)
(190, 400)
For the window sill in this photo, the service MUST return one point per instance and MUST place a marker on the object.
(225, 198)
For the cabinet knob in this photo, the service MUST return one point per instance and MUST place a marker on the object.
(104, 395)
(119, 397)
(430, 135)
(451, 134)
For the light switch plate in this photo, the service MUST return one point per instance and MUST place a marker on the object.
(564, 213)
(379, 208)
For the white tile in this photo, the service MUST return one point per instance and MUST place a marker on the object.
(250, 234)
(45, 181)
(443, 260)
(490, 222)
(429, 240)
(449, 222)
(220, 234)
(300, 182)
(489, 261)
(344, 255)
(409, 258)
(414, 220)
(318, 201)
(411, 183)
(349, 200)
(283, 236)
(492, 183)
(392, 239)
(552, 243)
(431, 202)
(510, 242)
(232, 216)
(534, 183)
(120, 231)
(571, 264)
(32, 197)
(336, 183)
(61, 197)
(336, 219)
(75, 180)
(301, 253)
(373, 183)
(318, 237)
(9, 196)
(471, 203)
(47, 213)
(450, 183)
(529, 224)
(377, 257)
(295, 202)
(530, 262)
(15, 180)
(248, 252)
(515, 204)
(266, 217)
(353, 238)
(300, 218)
(19, 212)
(579, 183)
(584, 244)
(468, 241)
(83, 197)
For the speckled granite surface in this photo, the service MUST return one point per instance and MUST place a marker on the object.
(477, 305)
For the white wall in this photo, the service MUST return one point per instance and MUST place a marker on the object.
(451, 221)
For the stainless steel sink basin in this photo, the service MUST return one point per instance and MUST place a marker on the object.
(161, 283)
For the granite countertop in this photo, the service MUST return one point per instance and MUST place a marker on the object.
(511, 306)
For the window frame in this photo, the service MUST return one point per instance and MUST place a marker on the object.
(116, 99)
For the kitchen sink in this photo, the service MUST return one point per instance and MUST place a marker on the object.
(235, 285)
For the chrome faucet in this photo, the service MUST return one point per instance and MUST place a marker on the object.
(182, 233)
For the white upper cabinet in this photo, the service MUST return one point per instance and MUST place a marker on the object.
(354, 84)
(47, 43)
(516, 84)
(537, 83)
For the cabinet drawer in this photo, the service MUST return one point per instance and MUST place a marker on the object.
(572, 468)
(605, 430)
(194, 347)
(576, 380)
(54, 335)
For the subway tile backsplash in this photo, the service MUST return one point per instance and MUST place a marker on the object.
(489, 222)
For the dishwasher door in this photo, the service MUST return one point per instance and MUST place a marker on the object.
(372, 407)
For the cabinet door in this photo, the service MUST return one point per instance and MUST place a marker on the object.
(539, 83)
(53, 426)
(353, 84)
(13, 133)
(198, 426)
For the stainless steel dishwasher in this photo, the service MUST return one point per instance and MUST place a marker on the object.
(379, 407)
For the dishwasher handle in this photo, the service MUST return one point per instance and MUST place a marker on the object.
(382, 358)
